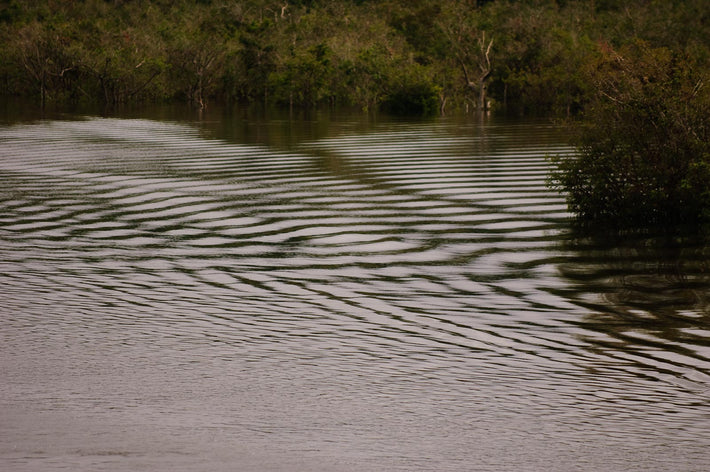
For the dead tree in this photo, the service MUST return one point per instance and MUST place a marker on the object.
(478, 83)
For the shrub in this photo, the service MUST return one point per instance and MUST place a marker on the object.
(412, 99)
(643, 143)
(411, 91)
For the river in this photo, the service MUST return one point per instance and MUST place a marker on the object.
(332, 293)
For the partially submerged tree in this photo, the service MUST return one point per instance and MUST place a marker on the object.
(643, 143)
(471, 48)
(478, 82)
(44, 57)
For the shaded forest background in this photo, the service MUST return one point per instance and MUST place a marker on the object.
(414, 56)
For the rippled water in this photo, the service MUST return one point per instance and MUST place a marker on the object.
(394, 296)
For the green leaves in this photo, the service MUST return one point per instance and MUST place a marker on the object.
(643, 142)
(363, 53)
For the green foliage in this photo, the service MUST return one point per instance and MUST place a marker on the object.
(411, 92)
(402, 55)
(644, 142)
(304, 79)
(10, 11)
(412, 99)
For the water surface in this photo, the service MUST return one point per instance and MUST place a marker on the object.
(334, 294)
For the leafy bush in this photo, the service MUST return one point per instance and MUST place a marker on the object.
(643, 143)
(413, 97)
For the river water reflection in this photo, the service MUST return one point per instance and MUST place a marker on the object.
(332, 293)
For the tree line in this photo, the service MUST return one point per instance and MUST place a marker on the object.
(414, 56)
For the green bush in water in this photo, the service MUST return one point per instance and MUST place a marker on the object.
(412, 99)
(643, 143)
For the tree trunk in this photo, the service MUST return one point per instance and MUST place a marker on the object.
(484, 66)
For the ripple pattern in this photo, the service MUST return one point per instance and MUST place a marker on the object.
(417, 261)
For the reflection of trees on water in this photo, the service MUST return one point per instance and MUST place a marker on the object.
(653, 291)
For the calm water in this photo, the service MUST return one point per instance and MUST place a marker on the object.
(332, 294)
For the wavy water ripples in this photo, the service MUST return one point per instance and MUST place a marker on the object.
(422, 275)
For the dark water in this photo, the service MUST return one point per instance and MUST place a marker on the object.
(332, 294)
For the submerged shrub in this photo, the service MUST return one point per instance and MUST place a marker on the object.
(412, 99)
(411, 92)
(643, 143)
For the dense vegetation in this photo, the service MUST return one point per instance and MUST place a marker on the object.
(643, 142)
(634, 70)
(408, 56)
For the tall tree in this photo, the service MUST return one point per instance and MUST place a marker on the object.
(472, 47)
